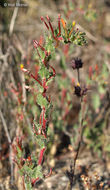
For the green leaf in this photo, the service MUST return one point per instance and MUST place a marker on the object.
(87, 132)
(34, 109)
(107, 148)
(96, 101)
(105, 70)
(28, 170)
(42, 101)
(41, 141)
(49, 81)
(63, 60)
(37, 172)
(42, 53)
(37, 126)
(21, 172)
(19, 152)
(50, 47)
(101, 89)
(44, 72)
(28, 185)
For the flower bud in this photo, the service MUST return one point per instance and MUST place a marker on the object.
(76, 63)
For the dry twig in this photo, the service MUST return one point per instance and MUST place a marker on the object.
(12, 23)
(88, 34)
(9, 141)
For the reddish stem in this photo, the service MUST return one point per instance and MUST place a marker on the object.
(38, 52)
(44, 22)
(49, 174)
(54, 73)
(44, 83)
(41, 156)
(36, 71)
(44, 92)
(35, 79)
(34, 129)
(59, 17)
(19, 143)
(34, 181)
(51, 27)
(63, 95)
(36, 44)
(29, 73)
(40, 120)
(44, 120)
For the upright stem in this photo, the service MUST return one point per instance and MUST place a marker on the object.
(78, 75)
(80, 136)
(72, 169)
(81, 130)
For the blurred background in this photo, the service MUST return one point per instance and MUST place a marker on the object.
(20, 24)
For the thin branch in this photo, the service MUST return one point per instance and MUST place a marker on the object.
(9, 141)
(4, 61)
(78, 75)
(79, 139)
(108, 65)
(71, 174)
(5, 127)
(88, 34)
(2, 188)
(12, 23)
(23, 87)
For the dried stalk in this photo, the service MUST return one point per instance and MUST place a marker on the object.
(12, 23)
(9, 141)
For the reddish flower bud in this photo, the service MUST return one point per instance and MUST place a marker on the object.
(90, 72)
(97, 69)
